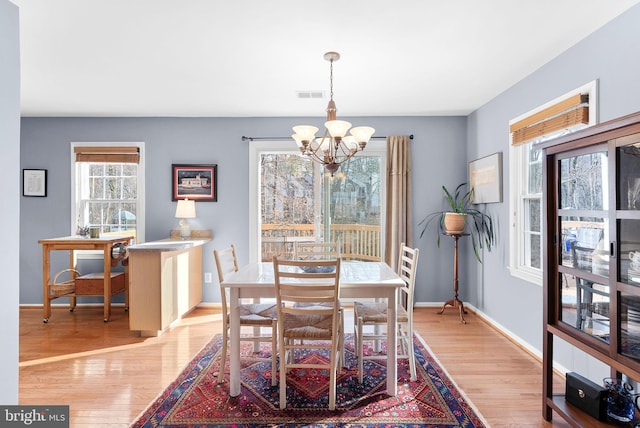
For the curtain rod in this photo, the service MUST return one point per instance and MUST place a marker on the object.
(288, 138)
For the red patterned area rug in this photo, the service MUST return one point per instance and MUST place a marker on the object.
(195, 399)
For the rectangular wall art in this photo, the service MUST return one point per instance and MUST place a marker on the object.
(485, 177)
(34, 182)
(196, 182)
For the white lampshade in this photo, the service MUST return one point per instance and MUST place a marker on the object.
(186, 209)
(305, 132)
(337, 128)
(362, 133)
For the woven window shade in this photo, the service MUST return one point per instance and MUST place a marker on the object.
(565, 114)
(107, 154)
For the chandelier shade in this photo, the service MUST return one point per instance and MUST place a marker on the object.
(334, 147)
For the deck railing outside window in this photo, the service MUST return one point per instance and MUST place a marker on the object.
(357, 241)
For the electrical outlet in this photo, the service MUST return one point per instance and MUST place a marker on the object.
(207, 277)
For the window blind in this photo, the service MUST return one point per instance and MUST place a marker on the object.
(124, 154)
(567, 113)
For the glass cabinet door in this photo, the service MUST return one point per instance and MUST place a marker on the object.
(627, 150)
(628, 205)
(630, 325)
(582, 202)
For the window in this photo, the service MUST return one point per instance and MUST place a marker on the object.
(568, 113)
(107, 183)
(292, 199)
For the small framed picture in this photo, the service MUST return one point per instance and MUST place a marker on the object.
(34, 182)
(196, 182)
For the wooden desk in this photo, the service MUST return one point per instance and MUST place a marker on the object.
(357, 279)
(73, 244)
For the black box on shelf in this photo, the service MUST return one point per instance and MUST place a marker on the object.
(586, 395)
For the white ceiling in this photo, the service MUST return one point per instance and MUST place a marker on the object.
(239, 58)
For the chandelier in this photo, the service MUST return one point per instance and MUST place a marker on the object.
(335, 147)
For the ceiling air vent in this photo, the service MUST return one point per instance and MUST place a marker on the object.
(310, 95)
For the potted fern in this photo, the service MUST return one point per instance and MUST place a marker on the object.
(462, 216)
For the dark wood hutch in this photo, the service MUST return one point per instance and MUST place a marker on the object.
(591, 208)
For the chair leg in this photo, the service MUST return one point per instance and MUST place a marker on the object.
(274, 351)
(404, 344)
(341, 361)
(223, 354)
(332, 378)
(360, 350)
(283, 375)
(412, 357)
(376, 342)
(257, 332)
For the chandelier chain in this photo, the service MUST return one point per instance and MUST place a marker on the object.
(331, 79)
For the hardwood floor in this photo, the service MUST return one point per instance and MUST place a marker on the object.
(108, 375)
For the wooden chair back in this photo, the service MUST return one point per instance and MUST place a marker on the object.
(299, 283)
(226, 263)
(316, 250)
(407, 266)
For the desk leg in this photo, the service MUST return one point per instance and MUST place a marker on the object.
(107, 282)
(234, 352)
(73, 264)
(126, 287)
(392, 342)
(46, 278)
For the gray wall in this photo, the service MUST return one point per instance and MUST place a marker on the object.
(10, 189)
(609, 55)
(45, 144)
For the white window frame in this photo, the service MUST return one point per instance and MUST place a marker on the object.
(140, 214)
(257, 148)
(518, 185)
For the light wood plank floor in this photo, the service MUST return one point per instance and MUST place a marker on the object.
(108, 375)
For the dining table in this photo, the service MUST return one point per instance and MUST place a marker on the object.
(358, 279)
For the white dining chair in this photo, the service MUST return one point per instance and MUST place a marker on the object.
(312, 250)
(307, 294)
(316, 250)
(256, 315)
(374, 314)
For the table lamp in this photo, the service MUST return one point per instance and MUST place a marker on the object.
(184, 210)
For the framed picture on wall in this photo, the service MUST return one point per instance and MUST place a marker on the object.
(34, 182)
(485, 177)
(196, 182)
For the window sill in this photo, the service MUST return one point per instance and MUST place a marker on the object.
(529, 275)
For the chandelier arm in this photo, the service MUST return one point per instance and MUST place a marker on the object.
(345, 150)
(336, 158)
(313, 155)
